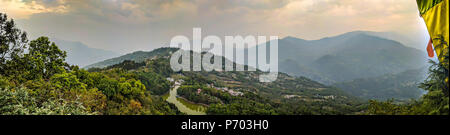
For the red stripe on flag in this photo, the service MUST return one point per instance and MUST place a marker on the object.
(430, 49)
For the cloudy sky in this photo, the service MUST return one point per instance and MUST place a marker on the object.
(128, 25)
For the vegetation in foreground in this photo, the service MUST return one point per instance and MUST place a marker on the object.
(35, 79)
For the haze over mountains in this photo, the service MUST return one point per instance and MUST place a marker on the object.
(82, 55)
(413, 42)
(349, 61)
(346, 57)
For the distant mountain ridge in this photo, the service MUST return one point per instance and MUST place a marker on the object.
(346, 57)
(82, 55)
(349, 61)
(413, 42)
(138, 56)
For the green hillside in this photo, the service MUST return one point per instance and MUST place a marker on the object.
(138, 56)
(287, 95)
(401, 86)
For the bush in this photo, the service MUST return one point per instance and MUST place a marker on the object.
(19, 102)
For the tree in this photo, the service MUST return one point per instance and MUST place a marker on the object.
(45, 59)
(435, 102)
(13, 41)
(38, 81)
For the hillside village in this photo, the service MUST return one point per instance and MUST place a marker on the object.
(232, 92)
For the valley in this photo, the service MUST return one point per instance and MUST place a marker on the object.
(241, 93)
(190, 109)
(345, 58)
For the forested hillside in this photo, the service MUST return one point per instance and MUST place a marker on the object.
(401, 86)
(139, 56)
(242, 93)
(39, 82)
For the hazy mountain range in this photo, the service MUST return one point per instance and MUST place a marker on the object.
(82, 55)
(352, 61)
(414, 42)
(346, 57)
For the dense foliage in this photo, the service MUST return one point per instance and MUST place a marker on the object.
(402, 86)
(308, 97)
(435, 102)
(39, 81)
(206, 96)
(20, 102)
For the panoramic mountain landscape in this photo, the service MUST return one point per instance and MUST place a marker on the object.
(357, 62)
(230, 67)
(239, 92)
(61, 57)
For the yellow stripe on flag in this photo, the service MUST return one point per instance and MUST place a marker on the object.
(437, 21)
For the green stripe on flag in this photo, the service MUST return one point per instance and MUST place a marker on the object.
(425, 5)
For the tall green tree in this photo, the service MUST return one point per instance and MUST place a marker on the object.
(45, 59)
(436, 101)
(13, 41)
